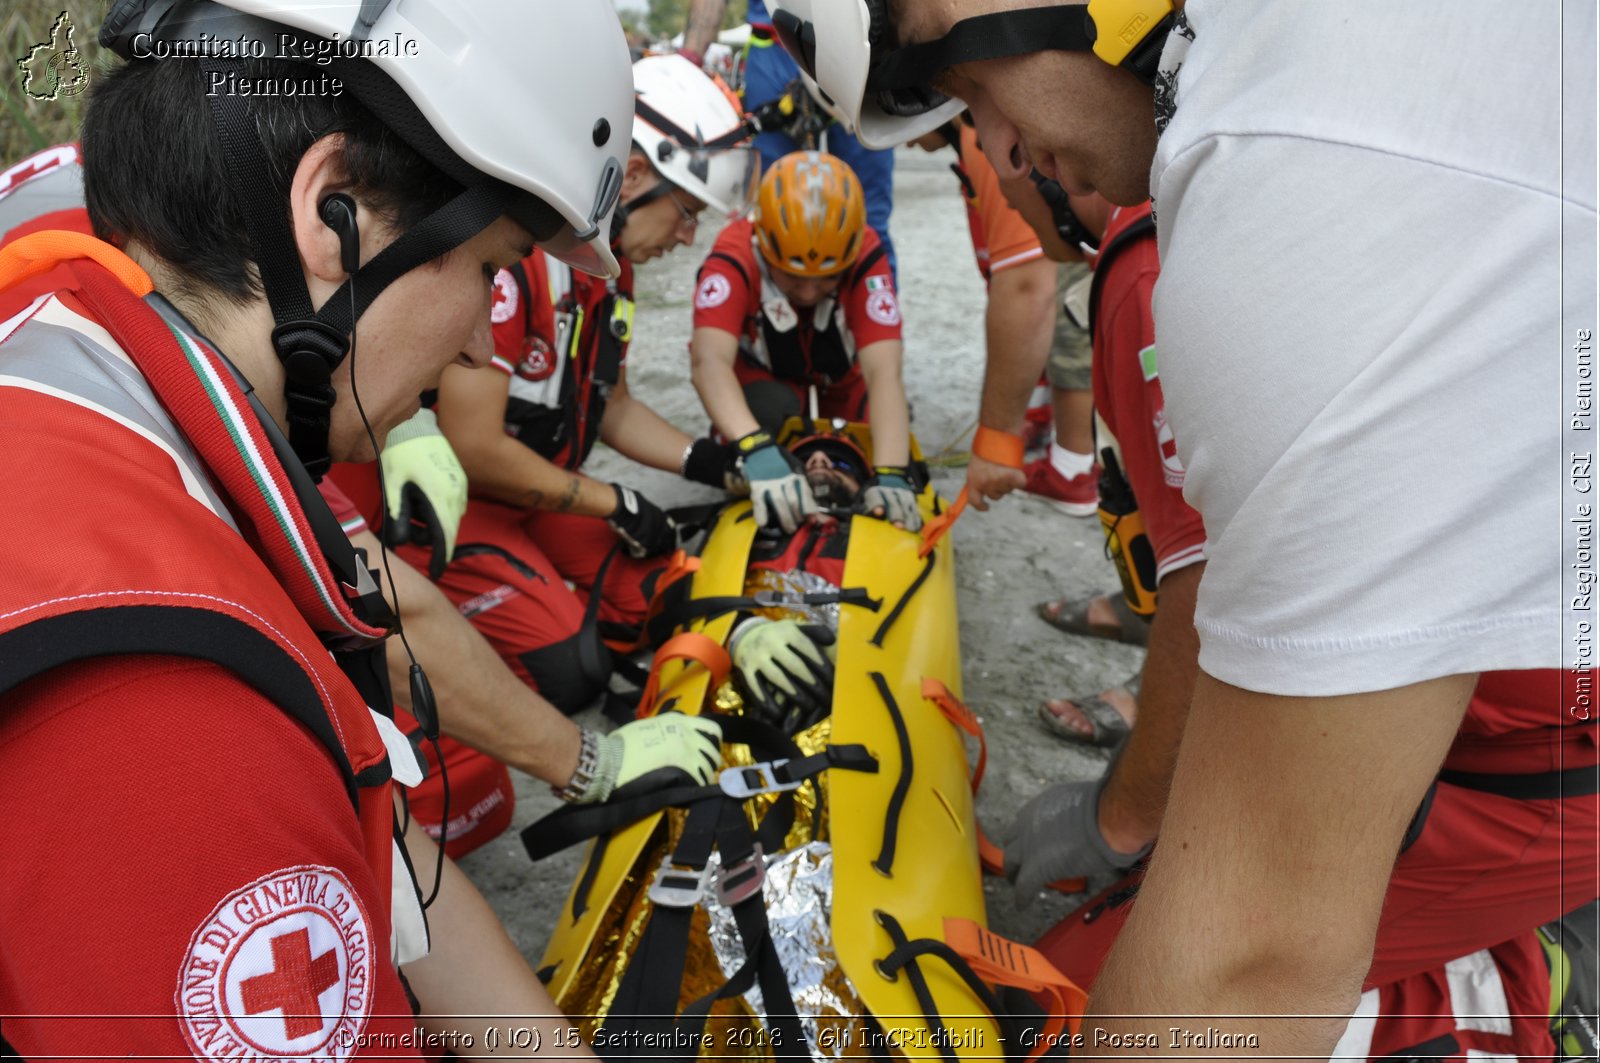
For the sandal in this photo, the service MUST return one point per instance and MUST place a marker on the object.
(1073, 618)
(1108, 727)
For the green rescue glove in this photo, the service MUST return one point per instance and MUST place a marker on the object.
(425, 489)
(779, 493)
(889, 496)
(670, 749)
(1057, 835)
(784, 668)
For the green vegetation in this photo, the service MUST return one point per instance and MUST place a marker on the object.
(667, 18)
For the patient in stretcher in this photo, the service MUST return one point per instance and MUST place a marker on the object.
(783, 655)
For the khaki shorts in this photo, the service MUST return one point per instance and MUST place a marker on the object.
(1072, 352)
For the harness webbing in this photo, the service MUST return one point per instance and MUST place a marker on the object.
(1137, 230)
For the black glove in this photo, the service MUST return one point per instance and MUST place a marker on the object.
(641, 524)
(715, 465)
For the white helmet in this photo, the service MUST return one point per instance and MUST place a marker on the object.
(833, 42)
(884, 90)
(691, 128)
(490, 80)
(481, 90)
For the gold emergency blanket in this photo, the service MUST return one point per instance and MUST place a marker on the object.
(798, 893)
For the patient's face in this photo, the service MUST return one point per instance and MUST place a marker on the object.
(830, 484)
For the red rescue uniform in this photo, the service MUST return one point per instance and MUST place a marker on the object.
(800, 347)
(226, 768)
(526, 578)
(1127, 396)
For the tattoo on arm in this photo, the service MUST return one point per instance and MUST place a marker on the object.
(569, 497)
(532, 498)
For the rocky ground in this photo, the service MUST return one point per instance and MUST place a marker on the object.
(1018, 553)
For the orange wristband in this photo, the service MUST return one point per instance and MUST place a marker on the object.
(1002, 448)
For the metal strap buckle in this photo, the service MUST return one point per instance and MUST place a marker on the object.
(739, 882)
(677, 887)
(738, 782)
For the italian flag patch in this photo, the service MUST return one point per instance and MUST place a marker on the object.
(874, 283)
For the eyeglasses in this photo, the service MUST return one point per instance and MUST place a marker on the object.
(688, 220)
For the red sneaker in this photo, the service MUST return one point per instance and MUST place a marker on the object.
(1077, 497)
(1038, 435)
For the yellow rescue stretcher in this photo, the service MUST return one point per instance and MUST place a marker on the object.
(899, 833)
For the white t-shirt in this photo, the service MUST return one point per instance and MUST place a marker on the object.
(1360, 210)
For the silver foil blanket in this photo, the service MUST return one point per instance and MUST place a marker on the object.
(798, 892)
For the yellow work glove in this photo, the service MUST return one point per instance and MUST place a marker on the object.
(785, 669)
(666, 750)
(425, 489)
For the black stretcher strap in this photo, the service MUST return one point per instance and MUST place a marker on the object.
(679, 613)
(904, 956)
(647, 998)
(905, 599)
(737, 845)
(884, 861)
(648, 995)
(905, 960)
(577, 823)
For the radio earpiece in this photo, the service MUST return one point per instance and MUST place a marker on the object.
(338, 212)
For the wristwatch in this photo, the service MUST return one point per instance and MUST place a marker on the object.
(583, 776)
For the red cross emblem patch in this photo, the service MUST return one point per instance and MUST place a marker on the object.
(503, 301)
(281, 969)
(1172, 470)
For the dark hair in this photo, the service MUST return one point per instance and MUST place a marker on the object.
(154, 171)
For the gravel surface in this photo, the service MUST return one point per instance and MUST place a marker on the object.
(1020, 552)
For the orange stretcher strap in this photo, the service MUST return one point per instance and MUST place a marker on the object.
(40, 252)
(935, 529)
(688, 646)
(991, 856)
(1001, 961)
(680, 565)
(1002, 448)
(955, 710)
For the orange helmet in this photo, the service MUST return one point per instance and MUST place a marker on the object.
(811, 214)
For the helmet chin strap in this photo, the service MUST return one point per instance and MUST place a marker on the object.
(619, 217)
(312, 342)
